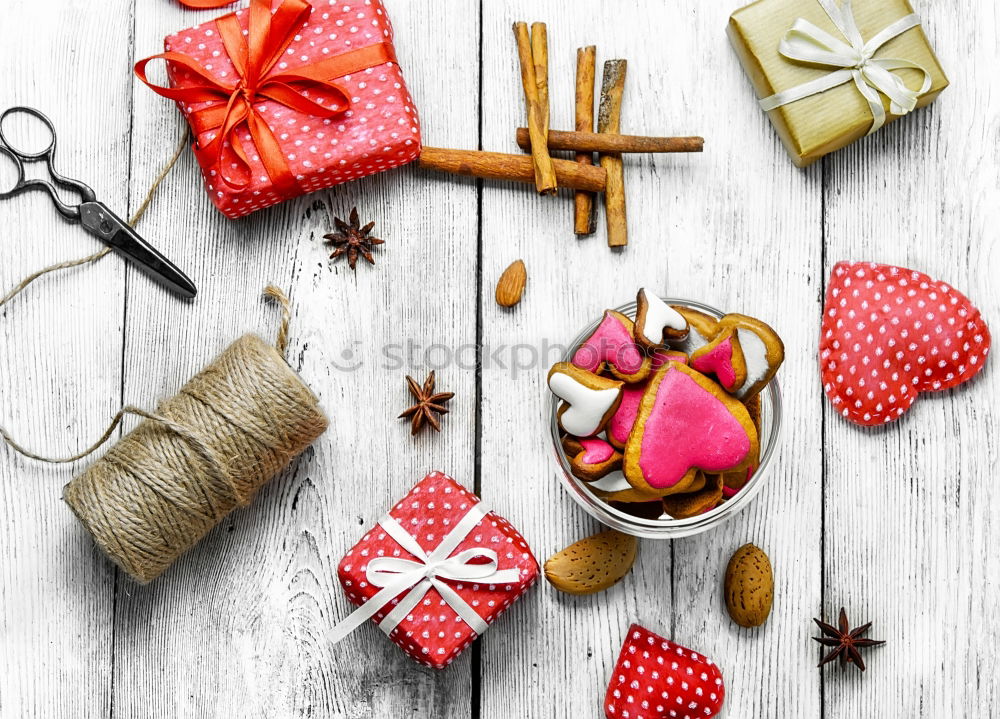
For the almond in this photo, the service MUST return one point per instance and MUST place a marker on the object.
(749, 586)
(593, 564)
(511, 284)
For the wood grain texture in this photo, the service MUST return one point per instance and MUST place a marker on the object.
(909, 531)
(895, 524)
(757, 251)
(715, 245)
(251, 604)
(60, 361)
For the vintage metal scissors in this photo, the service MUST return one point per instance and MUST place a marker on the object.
(95, 216)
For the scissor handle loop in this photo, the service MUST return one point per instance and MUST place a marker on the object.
(45, 154)
(70, 211)
(9, 191)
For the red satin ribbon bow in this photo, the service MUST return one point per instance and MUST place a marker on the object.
(236, 104)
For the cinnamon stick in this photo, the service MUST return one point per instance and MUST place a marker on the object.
(501, 166)
(545, 176)
(609, 121)
(584, 221)
(540, 58)
(587, 142)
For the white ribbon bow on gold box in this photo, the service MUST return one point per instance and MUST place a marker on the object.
(805, 42)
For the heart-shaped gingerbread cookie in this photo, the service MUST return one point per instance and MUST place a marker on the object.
(686, 422)
(591, 458)
(761, 348)
(613, 346)
(656, 322)
(589, 400)
(723, 359)
(889, 334)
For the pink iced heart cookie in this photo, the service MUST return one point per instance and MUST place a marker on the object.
(723, 359)
(661, 357)
(612, 346)
(620, 425)
(591, 458)
(686, 422)
(890, 333)
(762, 348)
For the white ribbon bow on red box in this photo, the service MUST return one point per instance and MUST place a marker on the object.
(397, 575)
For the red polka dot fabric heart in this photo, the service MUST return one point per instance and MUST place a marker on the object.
(889, 334)
(658, 679)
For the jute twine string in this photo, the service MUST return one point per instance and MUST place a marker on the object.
(23, 284)
(201, 454)
(204, 452)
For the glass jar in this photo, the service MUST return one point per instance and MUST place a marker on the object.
(669, 528)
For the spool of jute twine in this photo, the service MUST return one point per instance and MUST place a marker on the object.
(201, 454)
(204, 452)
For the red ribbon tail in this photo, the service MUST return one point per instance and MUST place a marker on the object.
(271, 154)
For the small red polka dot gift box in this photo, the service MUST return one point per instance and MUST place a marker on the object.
(287, 98)
(435, 572)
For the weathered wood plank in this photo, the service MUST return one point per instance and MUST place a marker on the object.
(238, 626)
(708, 227)
(756, 219)
(60, 353)
(910, 534)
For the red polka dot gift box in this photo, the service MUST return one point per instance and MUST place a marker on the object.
(287, 97)
(435, 572)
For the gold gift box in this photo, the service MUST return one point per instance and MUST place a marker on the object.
(817, 125)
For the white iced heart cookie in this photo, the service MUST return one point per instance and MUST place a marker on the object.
(656, 322)
(763, 352)
(589, 399)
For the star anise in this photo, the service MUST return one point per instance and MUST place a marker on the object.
(427, 404)
(353, 240)
(846, 642)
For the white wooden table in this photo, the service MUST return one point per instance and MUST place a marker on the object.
(896, 524)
